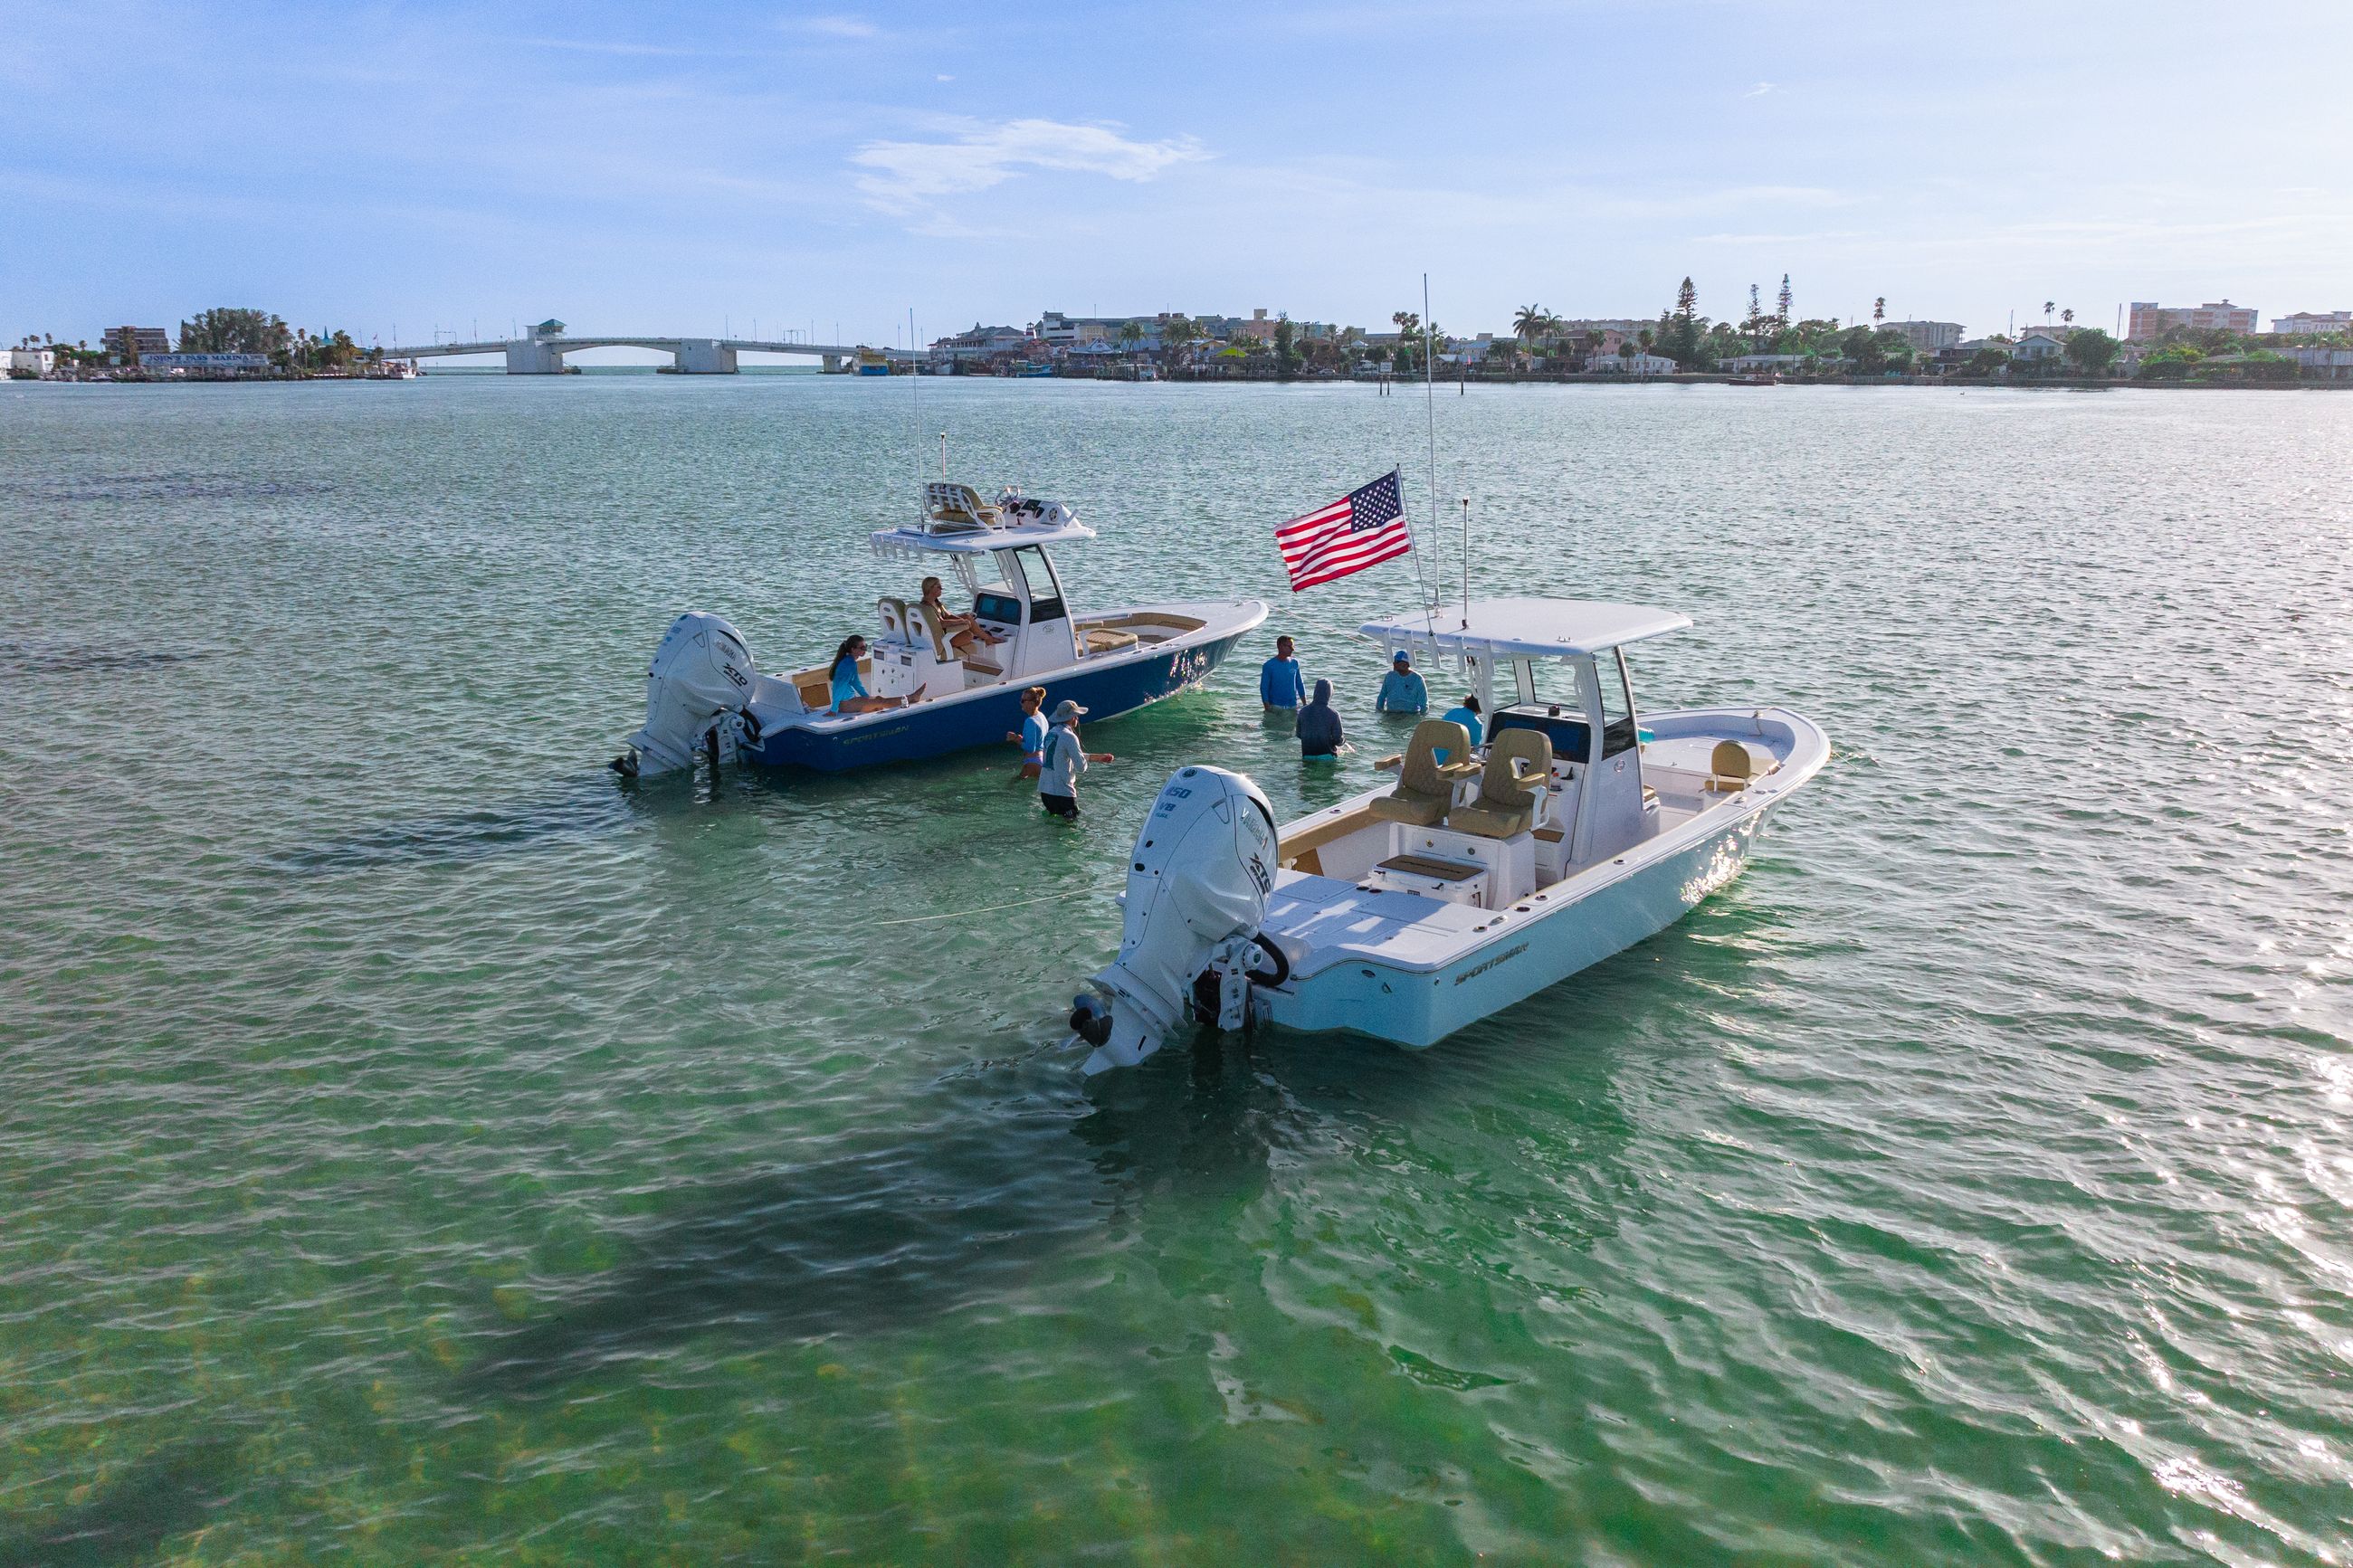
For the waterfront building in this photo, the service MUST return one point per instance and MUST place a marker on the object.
(1258, 328)
(31, 362)
(980, 345)
(2313, 323)
(1752, 365)
(1061, 331)
(2039, 344)
(2323, 364)
(1630, 364)
(131, 344)
(1926, 337)
(2150, 321)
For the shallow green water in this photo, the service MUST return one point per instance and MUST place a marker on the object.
(419, 1145)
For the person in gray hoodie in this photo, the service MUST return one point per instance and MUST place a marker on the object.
(1319, 725)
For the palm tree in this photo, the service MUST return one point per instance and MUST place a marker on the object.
(2067, 316)
(1131, 333)
(1409, 326)
(2049, 306)
(1879, 310)
(1179, 331)
(1529, 321)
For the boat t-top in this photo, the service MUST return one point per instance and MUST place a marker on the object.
(956, 686)
(1483, 875)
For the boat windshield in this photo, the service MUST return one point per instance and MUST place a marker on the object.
(1030, 564)
(1618, 730)
(1548, 681)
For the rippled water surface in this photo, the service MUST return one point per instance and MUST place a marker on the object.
(420, 1145)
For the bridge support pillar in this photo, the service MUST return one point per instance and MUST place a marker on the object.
(530, 356)
(832, 364)
(704, 356)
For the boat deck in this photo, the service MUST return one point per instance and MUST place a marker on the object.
(1332, 919)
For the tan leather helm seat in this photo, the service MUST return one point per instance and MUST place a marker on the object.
(1519, 763)
(1425, 785)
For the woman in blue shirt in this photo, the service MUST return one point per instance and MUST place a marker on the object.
(1466, 715)
(1031, 736)
(849, 691)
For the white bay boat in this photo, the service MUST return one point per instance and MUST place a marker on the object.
(1483, 876)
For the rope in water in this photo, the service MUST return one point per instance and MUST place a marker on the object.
(991, 908)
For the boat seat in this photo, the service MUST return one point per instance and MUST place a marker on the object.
(923, 615)
(1425, 785)
(1519, 764)
(1731, 767)
(893, 614)
(1102, 639)
(957, 508)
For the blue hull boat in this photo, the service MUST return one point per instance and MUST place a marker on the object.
(934, 678)
(985, 716)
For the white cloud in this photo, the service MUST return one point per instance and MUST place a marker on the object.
(839, 26)
(900, 174)
(1759, 91)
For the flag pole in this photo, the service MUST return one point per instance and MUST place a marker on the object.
(1429, 401)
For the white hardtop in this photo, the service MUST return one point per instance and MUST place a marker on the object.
(1525, 628)
(957, 521)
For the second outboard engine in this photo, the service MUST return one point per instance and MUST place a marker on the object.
(1197, 887)
(696, 690)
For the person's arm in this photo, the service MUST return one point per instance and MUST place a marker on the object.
(1101, 757)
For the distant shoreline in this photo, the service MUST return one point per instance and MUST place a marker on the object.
(1396, 383)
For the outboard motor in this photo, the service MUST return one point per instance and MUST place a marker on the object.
(1197, 887)
(697, 690)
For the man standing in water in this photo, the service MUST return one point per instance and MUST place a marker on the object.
(1065, 759)
(1401, 689)
(1279, 684)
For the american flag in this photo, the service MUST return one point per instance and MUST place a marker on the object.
(1362, 528)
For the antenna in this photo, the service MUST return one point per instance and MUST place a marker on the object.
(1466, 564)
(915, 390)
(1429, 404)
(943, 453)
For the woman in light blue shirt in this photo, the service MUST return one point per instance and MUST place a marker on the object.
(1467, 715)
(1031, 736)
(849, 689)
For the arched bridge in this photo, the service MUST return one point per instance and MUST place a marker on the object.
(540, 351)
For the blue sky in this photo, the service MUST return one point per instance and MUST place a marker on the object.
(688, 168)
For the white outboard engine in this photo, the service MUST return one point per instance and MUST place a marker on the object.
(697, 692)
(1197, 887)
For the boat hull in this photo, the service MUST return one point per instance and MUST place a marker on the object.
(1418, 1008)
(983, 716)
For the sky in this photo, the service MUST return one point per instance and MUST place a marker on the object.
(697, 168)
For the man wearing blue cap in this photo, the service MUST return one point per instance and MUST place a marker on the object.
(1401, 689)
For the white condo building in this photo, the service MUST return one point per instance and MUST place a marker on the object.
(1926, 337)
(2313, 323)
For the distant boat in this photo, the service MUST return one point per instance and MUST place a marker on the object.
(1754, 381)
(704, 693)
